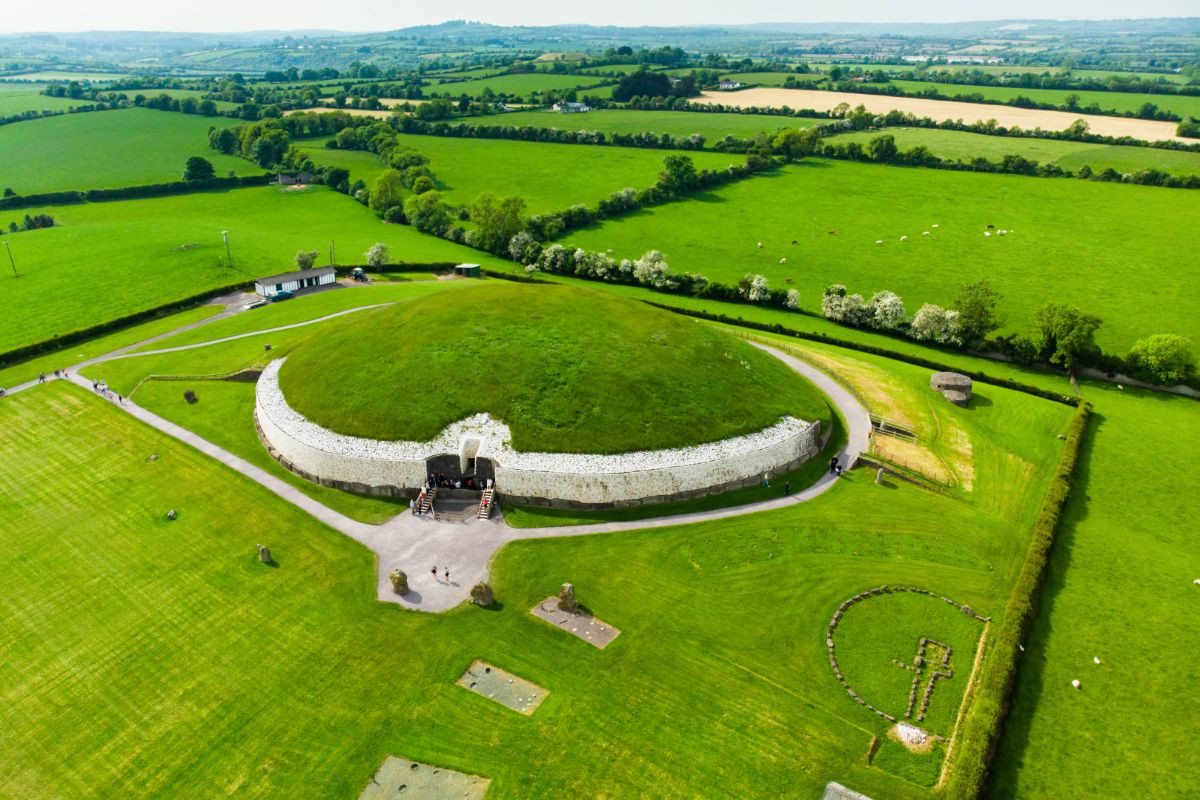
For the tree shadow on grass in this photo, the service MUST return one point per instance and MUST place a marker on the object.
(1031, 665)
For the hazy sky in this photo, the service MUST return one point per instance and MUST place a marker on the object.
(376, 15)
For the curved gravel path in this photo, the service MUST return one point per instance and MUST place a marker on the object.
(416, 544)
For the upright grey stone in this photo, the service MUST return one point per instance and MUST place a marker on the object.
(482, 595)
(399, 581)
(264, 554)
(171, 514)
(566, 599)
(879, 477)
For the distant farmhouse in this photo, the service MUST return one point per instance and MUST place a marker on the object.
(571, 108)
(294, 281)
(295, 180)
(729, 84)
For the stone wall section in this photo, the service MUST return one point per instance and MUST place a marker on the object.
(568, 480)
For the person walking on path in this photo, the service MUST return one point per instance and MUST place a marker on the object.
(434, 571)
(787, 487)
(41, 377)
(447, 570)
(833, 465)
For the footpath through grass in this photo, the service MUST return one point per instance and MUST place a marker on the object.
(1112, 250)
(181, 695)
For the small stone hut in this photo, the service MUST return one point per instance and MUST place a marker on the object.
(954, 387)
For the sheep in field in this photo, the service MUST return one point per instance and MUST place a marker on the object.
(904, 238)
(924, 233)
(879, 241)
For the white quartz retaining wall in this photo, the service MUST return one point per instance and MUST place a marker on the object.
(552, 478)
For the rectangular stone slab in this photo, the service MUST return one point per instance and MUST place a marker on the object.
(503, 687)
(595, 632)
(402, 777)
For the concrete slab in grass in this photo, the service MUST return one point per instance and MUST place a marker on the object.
(412, 780)
(505, 688)
(593, 631)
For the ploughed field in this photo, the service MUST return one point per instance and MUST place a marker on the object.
(1112, 250)
(568, 370)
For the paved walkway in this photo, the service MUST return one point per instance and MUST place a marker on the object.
(417, 544)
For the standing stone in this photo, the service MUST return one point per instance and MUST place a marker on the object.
(399, 581)
(189, 396)
(566, 599)
(482, 595)
(264, 554)
(171, 514)
(879, 477)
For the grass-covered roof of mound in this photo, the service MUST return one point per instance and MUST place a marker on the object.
(568, 370)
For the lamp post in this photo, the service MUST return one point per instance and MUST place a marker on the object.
(10, 259)
(228, 257)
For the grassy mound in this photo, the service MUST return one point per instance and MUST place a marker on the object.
(568, 370)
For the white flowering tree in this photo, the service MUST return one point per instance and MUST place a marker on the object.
(651, 269)
(855, 310)
(756, 288)
(523, 247)
(793, 299)
(378, 255)
(886, 311)
(933, 323)
(833, 302)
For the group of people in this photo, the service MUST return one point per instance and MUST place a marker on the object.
(438, 480)
(42, 378)
(101, 388)
(835, 467)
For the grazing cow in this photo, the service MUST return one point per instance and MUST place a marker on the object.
(787, 280)
(793, 241)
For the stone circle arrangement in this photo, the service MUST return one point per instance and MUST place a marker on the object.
(886, 589)
(954, 387)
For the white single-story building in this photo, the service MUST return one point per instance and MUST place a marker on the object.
(730, 84)
(294, 281)
(571, 108)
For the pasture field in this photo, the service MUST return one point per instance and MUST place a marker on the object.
(964, 146)
(18, 98)
(763, 78)
(1122, 554)
(1183, 105)
(152, 251)
(551, 177)
(178, 609)
(138, 145)
(712, 126)
(1006, 116)
(522, 84)
(1110, 249)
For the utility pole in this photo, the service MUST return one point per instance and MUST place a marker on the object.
(1002, 200)
(331, 261)
(10, 259)
(228, 257)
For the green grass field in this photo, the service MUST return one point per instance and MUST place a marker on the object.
(1107, 248)
(176, 613)
(1183, 105)
(567, 370)
(522, 84)
(712, 126)
(18, 98)
(107, 150)
(551, 177)
(963, 146)
(763, 78)
(106, 260)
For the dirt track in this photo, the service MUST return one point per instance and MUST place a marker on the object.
(1008, 116)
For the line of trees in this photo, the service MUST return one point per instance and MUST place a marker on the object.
(1061, 335)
